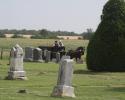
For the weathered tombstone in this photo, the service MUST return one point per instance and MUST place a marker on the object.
(48, 56)
(16, 64)
(44, 54)
(64, 86)
(65, 57)
(37, 55)
(28, 54)
(57, 57)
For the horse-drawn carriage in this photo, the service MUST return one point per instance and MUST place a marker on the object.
(72, 53)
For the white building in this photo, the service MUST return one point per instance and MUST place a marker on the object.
(70, 37)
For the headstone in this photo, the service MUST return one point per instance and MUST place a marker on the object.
(57, 57)
(65, 57)
(64, 83)
(28, 54)
(48, 56)
(44, 54)
(37, 55)
(16, 64)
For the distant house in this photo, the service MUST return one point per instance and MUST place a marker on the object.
(27, 36)
(24, 36)
(9, 35)
(70, 37)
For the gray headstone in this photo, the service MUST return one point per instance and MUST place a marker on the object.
(16, 64)
(28, 54)
(44, 53)
(64, 83)
(37, 55)
(65, 57)
(57, 57)
(48, 56)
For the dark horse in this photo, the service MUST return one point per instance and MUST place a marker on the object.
(76, 53)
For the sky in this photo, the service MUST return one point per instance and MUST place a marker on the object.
(64, 15)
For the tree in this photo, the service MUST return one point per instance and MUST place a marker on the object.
(44, 33)
(88, 35)
(17, 36)
(106, 50)
(2, 35)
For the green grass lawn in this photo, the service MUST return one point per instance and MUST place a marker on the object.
(10, 42)
(42, 77)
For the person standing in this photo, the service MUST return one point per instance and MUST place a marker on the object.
(56, 44)
(61, 44)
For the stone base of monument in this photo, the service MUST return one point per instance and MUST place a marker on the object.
(28, 59)
(12, 75)
(63, 91)
(38, 61)
(54, 60)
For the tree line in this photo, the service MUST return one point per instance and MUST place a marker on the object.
(44, 33)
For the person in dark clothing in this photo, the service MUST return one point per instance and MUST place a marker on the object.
(56, 44)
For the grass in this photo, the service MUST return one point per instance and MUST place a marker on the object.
(9, 42)
(42, 77)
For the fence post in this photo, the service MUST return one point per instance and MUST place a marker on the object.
(1, 56)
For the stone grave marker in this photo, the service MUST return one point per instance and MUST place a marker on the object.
(28, 54)
(65, 57)
(37, 55)
(64, 83)
(16, 64)
(48, 56)
(57, 57)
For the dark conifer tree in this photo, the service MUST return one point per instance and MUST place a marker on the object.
(106, 50)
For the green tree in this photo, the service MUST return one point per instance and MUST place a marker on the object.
(2, 35)
(44, 33)
(17, 36)
(106, 50)
(88, 35)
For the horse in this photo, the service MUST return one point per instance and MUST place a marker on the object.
(76, 53)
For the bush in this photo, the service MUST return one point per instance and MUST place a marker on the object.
(17, 36)
(106, 49)
(2, 36)
(43, 37)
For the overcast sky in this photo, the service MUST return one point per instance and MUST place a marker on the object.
(65, 15)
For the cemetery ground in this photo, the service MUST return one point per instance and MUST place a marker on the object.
(42, 77)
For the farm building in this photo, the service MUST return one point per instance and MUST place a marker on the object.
(70, 37)
(24, 36)
(27, 36)
(8, 35)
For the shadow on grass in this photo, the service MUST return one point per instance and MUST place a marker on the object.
(50, 96)
(117, 89)
(87, 72)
